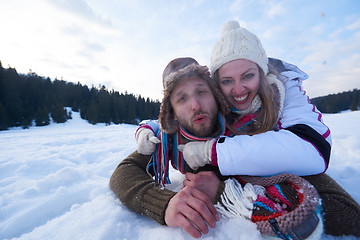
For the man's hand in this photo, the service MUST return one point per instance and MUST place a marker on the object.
(146, 141)
(207, 182)
(197, 154)
(191, 210)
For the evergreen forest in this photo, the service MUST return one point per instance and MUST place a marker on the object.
(29, 99)
(335, 103)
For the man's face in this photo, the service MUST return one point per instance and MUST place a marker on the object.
(195, 106)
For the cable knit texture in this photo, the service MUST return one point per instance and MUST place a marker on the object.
(236, 42)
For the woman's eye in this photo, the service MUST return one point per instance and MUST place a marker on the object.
(225, 82)
(249, 76)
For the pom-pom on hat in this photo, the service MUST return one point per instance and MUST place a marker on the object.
(237, 42)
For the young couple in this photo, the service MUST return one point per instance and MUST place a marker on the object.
(251, 118)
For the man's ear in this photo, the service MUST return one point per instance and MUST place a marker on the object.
(175, 117)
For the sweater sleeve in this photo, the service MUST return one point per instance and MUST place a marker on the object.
(137, 190)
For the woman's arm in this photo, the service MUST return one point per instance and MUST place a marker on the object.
(267, 154)
(145, 136)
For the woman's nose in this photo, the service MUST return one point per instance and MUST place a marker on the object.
(238, 88)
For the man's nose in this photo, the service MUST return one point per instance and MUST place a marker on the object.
(195, 104)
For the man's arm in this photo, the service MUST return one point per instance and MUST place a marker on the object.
(139, 192)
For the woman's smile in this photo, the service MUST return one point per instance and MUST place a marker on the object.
(241, 99)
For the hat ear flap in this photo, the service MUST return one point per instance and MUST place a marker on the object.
(167, 121)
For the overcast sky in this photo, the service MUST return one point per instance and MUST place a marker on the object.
(125, 45)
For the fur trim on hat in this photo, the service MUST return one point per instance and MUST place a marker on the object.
(167, 121)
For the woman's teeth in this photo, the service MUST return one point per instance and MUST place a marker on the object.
(239, 99)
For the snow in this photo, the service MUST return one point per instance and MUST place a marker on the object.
(54, 182)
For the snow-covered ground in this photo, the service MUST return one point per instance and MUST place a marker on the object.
(54, 182)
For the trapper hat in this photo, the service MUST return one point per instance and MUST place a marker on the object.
(236, 42)
(177, 70)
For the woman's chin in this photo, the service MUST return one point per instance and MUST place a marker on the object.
(240, 106)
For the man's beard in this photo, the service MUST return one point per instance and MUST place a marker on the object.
(202, 130)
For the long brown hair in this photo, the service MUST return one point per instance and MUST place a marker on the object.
(266, 119)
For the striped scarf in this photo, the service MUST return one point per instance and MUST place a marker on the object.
(242, 122)
(164, 154)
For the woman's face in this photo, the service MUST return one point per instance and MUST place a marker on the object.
(239, 81)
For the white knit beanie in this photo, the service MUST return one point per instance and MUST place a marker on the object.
(234, 43)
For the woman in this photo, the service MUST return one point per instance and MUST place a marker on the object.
(277, 129)
(271, 116)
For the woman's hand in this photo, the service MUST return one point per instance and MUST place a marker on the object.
(146, 141)
(197, 154)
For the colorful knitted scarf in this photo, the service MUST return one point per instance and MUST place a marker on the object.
(242, 122)
(284, 205)
(164, 154)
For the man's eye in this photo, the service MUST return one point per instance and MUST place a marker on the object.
(181, 99)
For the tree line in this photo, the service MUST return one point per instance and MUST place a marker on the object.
(29, 99)
(335, 103)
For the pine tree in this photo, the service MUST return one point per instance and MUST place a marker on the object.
(42, 117)
(92, 114)
(4, 121)
(104, 106)
(59, 114)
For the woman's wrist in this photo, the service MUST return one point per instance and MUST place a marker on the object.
(214, 155)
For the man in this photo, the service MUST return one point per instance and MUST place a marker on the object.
(189, 110)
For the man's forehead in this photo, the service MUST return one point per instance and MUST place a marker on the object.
(194, 81)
